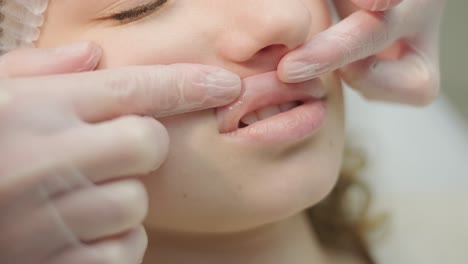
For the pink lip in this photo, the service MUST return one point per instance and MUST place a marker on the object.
(264, 90)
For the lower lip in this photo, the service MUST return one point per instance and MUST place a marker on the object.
(287, 127)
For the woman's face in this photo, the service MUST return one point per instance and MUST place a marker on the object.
(221, 176)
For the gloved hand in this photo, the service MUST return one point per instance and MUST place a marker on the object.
(74, 145)
(392, 49)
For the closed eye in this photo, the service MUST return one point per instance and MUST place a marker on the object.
(138, 12)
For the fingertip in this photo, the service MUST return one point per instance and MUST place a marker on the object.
(308, 63)
(377, 5)
(290, 71)
(84, 56)
(203, 87)
(223, 85)
(78, 57)
(163, 139)
(94, 56)
(146, 141)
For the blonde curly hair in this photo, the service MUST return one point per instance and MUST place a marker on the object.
(341, 221)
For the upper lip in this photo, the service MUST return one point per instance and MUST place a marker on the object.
(263, 90)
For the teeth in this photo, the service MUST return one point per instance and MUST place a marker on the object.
(288, 106)
(267, 112)
(250, 119)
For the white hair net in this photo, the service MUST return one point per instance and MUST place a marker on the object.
(20, 22)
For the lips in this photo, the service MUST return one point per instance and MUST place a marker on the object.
(265, 97)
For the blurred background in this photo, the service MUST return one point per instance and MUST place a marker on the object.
(417, 160)
(454, 56)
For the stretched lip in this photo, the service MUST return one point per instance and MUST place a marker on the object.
(265, 90)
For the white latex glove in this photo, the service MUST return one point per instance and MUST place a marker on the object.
(393, 52)
(74, 145)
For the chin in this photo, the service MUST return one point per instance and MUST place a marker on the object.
(211, 184)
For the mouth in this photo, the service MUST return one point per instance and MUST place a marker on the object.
(272, 112)
(267, 112)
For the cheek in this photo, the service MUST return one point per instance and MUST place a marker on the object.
(146, 43)
(123, 49)
(141, 54)
(160, 40)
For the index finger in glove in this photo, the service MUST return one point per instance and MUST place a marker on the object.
(155, 91)
(356, 37)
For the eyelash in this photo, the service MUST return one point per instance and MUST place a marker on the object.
(138, 12)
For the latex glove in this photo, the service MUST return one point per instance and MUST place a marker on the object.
(394, 54)
(72, 147)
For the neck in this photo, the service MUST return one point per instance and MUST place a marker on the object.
(291, 241)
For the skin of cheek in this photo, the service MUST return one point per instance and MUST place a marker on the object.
(209, 184)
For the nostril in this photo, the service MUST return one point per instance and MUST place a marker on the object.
(269, 56)
(277, 48)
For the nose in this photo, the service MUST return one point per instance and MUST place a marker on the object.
(262, 30)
